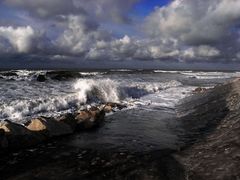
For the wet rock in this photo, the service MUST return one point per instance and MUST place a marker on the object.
(199, 90)
(13, 128)
(3, 139)
(68, 119)
(109, 107)
(63, 75)
(214, 154)
(87, 119)
(9, 74)
(41, 78)
(18, 136)
(49, 127)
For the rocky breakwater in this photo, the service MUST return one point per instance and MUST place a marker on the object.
(38, 130)
(212, 121)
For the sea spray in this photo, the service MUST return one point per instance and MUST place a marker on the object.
(104, 90)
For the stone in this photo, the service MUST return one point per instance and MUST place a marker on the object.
(87, 119)
(9, 74)
(68, 119)
(3, 139)
(109, 107)
(18, 136)
(199, 90)
(49, 127)
(13, 128)
(63, 75)
(212, 154)
(41, 78)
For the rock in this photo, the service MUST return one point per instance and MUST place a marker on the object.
(63, 75)
(49, 127)
(199, 90)
(18, 136)
(3, 139)
(87, 119)
(9, 74)
(215, 116)
(13, 128)
(41, 78)
(68, 119)
(109, 107)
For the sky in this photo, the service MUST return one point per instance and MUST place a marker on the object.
(117, 33)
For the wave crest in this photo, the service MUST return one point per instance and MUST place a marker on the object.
(104, 90)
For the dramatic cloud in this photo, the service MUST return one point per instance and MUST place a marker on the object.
(183, 30)
(81, 34)
(194, 22)
(115, 10)
(199, 28)
(18, 39)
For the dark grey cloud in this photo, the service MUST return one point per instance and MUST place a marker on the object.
(116, 10)
(184, 30)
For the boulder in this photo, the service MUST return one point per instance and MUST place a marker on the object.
(87, 119)
(199, 90)
(18, 136)
(3, 139)
(11, 128)
(63, 75)
(41, 78)
(49, 127)
(109, 107)
(68, 119)
(9, 73)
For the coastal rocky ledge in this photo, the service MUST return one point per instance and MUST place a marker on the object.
(213, 119)
(38, 130)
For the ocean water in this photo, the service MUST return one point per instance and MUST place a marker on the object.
(149, 122)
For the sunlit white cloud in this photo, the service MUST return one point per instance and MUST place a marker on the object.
(183, 30)
(19, 39)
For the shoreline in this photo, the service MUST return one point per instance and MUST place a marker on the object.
(211, 119)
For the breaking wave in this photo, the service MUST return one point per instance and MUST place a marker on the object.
(51, 99)
(106, 90)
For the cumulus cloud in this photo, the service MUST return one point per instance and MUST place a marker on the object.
(182, 30)
(46, 8)
(80, 35)
(202, 51)
(194, 22)
(200, 29)
(19, 39)
(100, 9)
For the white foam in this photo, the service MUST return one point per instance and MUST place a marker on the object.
(92, 73)
(212, 75)
(105, 90)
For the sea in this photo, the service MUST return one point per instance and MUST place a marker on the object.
(148, 123)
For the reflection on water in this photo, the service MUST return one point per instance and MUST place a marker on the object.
(134, 130)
